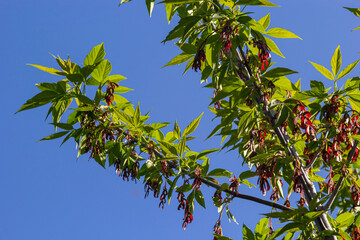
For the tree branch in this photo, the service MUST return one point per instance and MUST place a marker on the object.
(317, 155)
(237, 195)
(310, 192)
(333, 195)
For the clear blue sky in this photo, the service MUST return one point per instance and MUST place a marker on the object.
(46, 193)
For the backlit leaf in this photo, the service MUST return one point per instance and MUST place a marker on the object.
(324, 71)
(336, 61)
(96, 55)
(48, 70)
(192, 126)
(281, 33)
(348, 69)
(183, 57)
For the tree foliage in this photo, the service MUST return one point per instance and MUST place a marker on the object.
(293, 140)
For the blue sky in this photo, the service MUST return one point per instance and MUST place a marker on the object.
(46, 193)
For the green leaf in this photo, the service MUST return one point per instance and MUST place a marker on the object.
(171, 189)
(221, 237)
(336, 61)
(219, 172)
(182, 146)
(261, 229)
(192, 126)
(206, 152)
(54, 136)
(265, 21)
(183, 57)
(247, 174)
(177, 132)
(355, 11)
(278, 72)
(230, 215)
(59, 87)
(345, 219)
(247, 233)
(205, 167)
(348, 69)
(263, 3)
(200, 198)
(324, 71)
(317, 86)
(115, 78)
(96, 55)
(100, 159)
(188, 48)
(64, 126)
(137, 115)
(75, 78)
(179, 1)
(167, 147)
(121, 89)
(39, 99)
(49, 70)
(281, 33)
(150, 6)
(283, 116)
(273, 47)
(123, 117)
(102, 70)
(169, 12)
(356, 28)
(290, 227)
(355, 104)
(84, 99)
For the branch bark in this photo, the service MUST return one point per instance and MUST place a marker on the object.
(309, 189)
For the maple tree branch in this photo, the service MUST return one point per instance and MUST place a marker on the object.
(317, 155)
(234, 194)
(333, 195)
(310, 191)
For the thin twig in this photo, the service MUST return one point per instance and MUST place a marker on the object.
(237, 195)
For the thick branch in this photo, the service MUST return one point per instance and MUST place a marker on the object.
(310, 192)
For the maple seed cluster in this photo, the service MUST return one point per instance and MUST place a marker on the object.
(348, 126)
(217, 229)
(275, 195)
(199, 57)
(234, 186)
(163, 197)
(197, 180)
(109, 95)
(257, 139)
(355, 194)
(263, 53)
(97, 134)
(305, 122)
(152, 185)
(331, 108)
(355, 234)
(226, 39)
(184, 204)
(264, 172)
(330, 184)
(297, 187)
